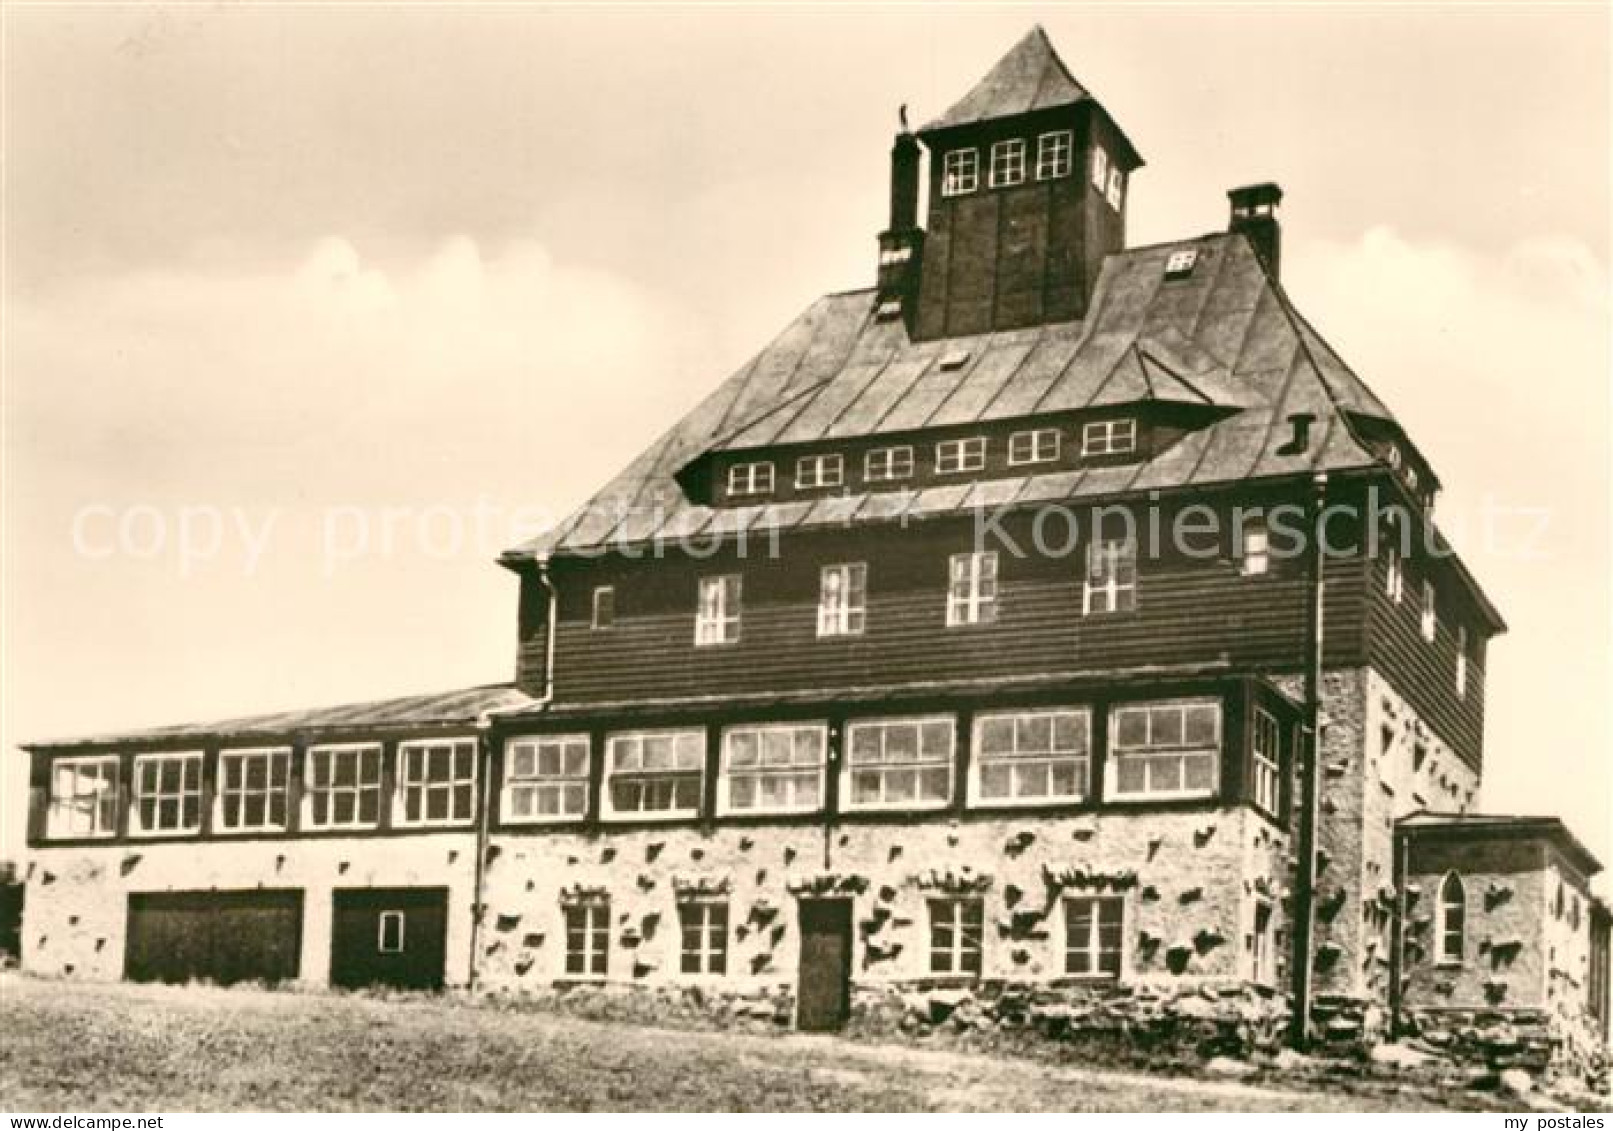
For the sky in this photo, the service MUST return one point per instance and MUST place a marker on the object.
(308, 312)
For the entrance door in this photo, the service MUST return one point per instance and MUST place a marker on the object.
(214, 936)
(823, 989)
(389, 937)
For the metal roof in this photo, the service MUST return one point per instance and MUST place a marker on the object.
(1479, 825)
(1030, 77)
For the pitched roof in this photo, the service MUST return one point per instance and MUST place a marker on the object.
(1479, 825)
(1225, 336)
(1030, 77)
(443, 708)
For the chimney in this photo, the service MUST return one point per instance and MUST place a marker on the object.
(901, 246)
(1254, 213)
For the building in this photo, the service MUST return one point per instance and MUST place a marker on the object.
(973, 635)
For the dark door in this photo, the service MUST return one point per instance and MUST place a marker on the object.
(216, 936)
(389, 937)
(823, 988)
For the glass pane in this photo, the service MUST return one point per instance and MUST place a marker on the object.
(1201, 726)
(1131, 774)
(742, 748)
(901, 742)
(865, 744)
(1132, 728)
(1035, 734)
(1200, 771)
(1167, 726)
(994, 780)
(997, 735)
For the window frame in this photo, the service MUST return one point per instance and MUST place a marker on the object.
(962, 916)
(974, 606)
(967, 162)
(713, 631)
(960, 456)
(593, 959)
(1461, 661)
(745, 480)
(137, 824)
(1445, 905)
(602, 608)
(1263, 943)
(1012, 154)
(109, 792)
(821, 465)
(1265, 771)
(1116, 436)
(1117, 753)
(1034, 437)
(1099, 167)
(726, 771)
(538, 782)
(710, 961)
(848, 768)
(890, 473)
(1254, 549)
(1115, 193)
(402, 785)
(1092, 947)
(1118, 555)
(309, 789)
(1428, 625)
(850, 616)
(222, 793)
(1052, 170)
(609, 774)
(392, 915)
(979, 760)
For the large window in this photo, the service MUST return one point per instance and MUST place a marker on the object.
(750, 478)
(1451, 924)
(956, 930)
(972, 588)
(168, 793)
(704, 927)
(1053, 155)
(820, 471)
(953, 457)
(1026, 757)
(960, 172)
(843, 599)
(1165, 749)
(886, 465)
(1037, 445)
(252, 789)
(343, 786)
(1111, 582)
(899, 763)
(655, 773)
(546, 778)
(1092, 936)
(437, 782)
(588, 939)
(717, 616)
(773, 769)
(1108, 437)
(1008, 163)
(1266, 752)
(83, 797)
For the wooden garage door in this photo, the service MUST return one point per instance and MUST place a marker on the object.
(389, 937)
(217, 936)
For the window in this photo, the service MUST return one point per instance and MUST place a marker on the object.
(437, 781)
(168, 793)
(1053, 155)
(1117, 187)
(717, 617)
(252, 789)
(545, 778)
(1262, 950)
(1430, 623)
(83, 797)
(705, 936)
(1100, 168)
(1008, 163)
(1108, 437)
(1256, 555)
(1452, 919)
(1026, 757)
(773, 769)
(954, 456)
(961, 172)
(656, 773)
(588, 939)
(1266, 752)
(1461, 661)
(1180, 264)
(972, 589)
(899, 763)
(1092, 937)
(1111, 584)
(1165, 749)
(389, 932)
(886, 465)
(843, 599)
(343, 786)
(604, 614)
(820, 471)
(956, 929)
(1038, 446)
(750, 478)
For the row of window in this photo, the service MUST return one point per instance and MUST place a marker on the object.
(952, 457)
(1168, 749)
(1008, 163)
(1394, 581)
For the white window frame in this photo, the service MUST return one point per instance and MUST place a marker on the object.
(594, 933)
(1034, 445)
(361, 786)
(1008, 163)
(1444, 905)
(1180, 263)
(825, 470)
(1265, 752)
(1461, 661)
(1152, 754)
(103, 771)
(428, 786)
(1109, 437)
(888, 465)
(617, 742)
(1394, 578)
(747, 479)
(1100, 168)
(843, 599)
(956, 457)
(561, 784)
(1429, 624)
(1254, 558)
(223, 793)
(1019, 721)
(956, 918)
(191, 759)
(604, 599)
(849, 767)
(1115, 193)
(381, 922)
(973, 588)
(1092, 947)
(960, 172)
(759, 768)
(711, 953)
(718, 602)
(1055, 151)
(1110, 585)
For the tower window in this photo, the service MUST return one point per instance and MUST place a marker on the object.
(972, 589)
(1111, 584)
(1053, 155)
(960, 172)
(604, 613)
(1430, 623)
(717, 613)
(1461, 661)
(1008, 163)
(1117, 188)
(1256, 548)
(1100, 168)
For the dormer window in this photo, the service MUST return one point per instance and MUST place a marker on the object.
(953, 457)
(1117, 188)
(1100, 168)
(1180, 264)
(960, 172)
(1008, 163)
(819, 471)
(1053, 155)
(1109, 437)
(750, 479)
(1040, 445)
(886, 465)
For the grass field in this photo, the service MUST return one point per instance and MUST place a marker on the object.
(74, 1047)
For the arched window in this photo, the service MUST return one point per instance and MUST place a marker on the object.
(1452, 918)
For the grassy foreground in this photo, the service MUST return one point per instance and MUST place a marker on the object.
(123, 1048)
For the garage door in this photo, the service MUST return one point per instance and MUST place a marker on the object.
(389, 937)
(217, 936)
